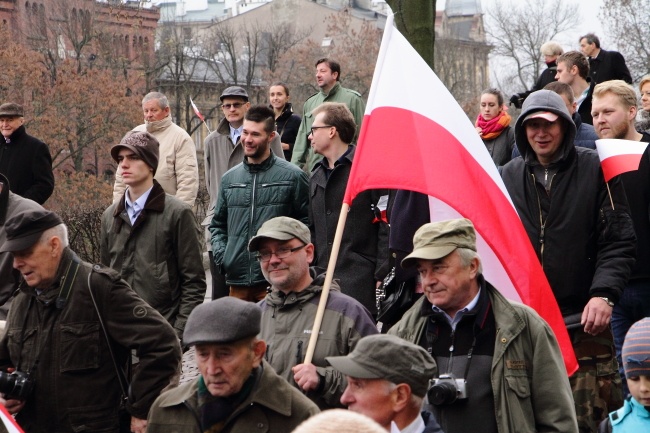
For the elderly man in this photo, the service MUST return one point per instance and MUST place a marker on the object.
(604, 65)
(70, 328)
(261, 187)
(237, 391)
(583, 235)
(614, 110)
(24, 160)
(550, 50)
(284, 250)
(387, 380)
(151, 238)
(517, 380)
(178, 170)
(223, 150)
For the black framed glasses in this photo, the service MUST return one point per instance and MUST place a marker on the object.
(311, 131)
(235, 105)
(281, 253)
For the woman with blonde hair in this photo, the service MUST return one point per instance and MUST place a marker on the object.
(493, 125)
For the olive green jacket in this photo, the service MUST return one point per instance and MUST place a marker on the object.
(273, 406)
(529, 381)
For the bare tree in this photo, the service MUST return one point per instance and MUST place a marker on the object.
(626, 21)
(517, 30)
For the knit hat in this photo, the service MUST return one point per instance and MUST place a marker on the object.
(142, 144)
(636, 349)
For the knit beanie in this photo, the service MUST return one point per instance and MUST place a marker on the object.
(636, 349)
(142, 144)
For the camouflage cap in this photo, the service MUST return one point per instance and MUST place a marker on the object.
(436, 240)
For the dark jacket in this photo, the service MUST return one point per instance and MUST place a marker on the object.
(547, 76)
(273, 406)
(585, 246)
(608, 65)
(501, 147)
(286, 125)
(76, 388)
(363, 254)
(287, 320)
(249, 195)
(159, 255)
(430, 423)
(10, 205)
(584, 110)
(27, 163)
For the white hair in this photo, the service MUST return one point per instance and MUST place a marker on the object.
(466, 256)
(339, 421)
(60, 231)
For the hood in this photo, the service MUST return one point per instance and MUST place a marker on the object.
(544, 100)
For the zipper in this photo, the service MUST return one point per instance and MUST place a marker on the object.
(250, 228)
(542, 222)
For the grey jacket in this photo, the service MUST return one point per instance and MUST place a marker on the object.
(529, 381)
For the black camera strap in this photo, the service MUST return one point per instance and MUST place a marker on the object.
(469, 358)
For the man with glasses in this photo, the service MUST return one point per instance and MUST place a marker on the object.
(363, 258)
(262, 187)
(223, 150)
(285, 252)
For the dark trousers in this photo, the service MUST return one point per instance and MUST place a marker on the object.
(219, 287)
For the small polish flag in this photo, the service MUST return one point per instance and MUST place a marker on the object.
(196, 110)
(619, 156)
(9, 422)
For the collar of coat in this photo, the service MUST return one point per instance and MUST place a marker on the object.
(155, 203)
(278, 299)
(263, 166)
(158, 125)
(17, 135)
(49, 295)
(333, 90)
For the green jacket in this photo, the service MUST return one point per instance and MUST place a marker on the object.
(159, 256)
(303, 155)
(286, 324)
(249, 195)
(529, 381)
(76, 388)
(273, 406)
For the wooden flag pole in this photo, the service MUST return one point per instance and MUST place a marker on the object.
(329, 276)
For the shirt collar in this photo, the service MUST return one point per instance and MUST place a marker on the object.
(133, 209)
(341, 160)
(459, 315)
(235, 132)
(417, 426)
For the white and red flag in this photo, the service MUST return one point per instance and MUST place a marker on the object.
(619, 156)
(416, 137)
(196, 110)
(9, 422)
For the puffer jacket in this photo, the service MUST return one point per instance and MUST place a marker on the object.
(76, 388)
(178, 169)
(159, 256)
(586, 246)
(272, 407)
(287, 321)
(249, 195)
(529, 381)
(303, 154)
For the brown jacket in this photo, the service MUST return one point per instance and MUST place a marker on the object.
(63, 347)
(273, 406)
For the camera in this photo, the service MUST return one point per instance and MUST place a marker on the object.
(447, 389)
(16, 385)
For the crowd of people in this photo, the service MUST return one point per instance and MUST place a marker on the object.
(98, 347)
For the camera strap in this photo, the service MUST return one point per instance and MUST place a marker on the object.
(469, 358)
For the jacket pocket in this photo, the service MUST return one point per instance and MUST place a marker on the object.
(275, 193)
(518, 403)
(25, 338)
(79, 346)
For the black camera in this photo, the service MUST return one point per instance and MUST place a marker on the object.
(447, 389)
(16, 385)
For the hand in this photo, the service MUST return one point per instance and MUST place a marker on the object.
(12, 406)
(479, 130)
(138, 425)
(306, 376)
(286, 146)
(596, 316)
(378, 284)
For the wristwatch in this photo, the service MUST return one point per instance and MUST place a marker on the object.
(606, 299)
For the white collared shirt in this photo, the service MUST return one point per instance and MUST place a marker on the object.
(235, 133)
(133, 209)
(459, 315)
(417, 426)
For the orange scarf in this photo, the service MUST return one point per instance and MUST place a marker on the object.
(494, 127)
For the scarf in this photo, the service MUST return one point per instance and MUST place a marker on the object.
(494, 127)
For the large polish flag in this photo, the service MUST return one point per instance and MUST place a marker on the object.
(416, 137)
(9, 422)
(619, 156)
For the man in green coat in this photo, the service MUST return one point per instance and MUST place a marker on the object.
(328, 75)
(237, 391)
(500, 369)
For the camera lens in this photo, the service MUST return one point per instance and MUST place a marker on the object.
(443, 392)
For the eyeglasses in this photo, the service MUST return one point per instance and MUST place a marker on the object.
(311, 132)
(235, 105)
(281, 253)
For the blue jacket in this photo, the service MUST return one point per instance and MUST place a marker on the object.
(631, 418)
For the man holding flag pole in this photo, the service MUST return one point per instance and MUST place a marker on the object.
(441, 156)
(621, 149)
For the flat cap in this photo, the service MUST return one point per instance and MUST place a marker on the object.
(11, 109)
(384, 356)
(224, 320)
(436, 240)
(281, 229)
(235, 92)
(25, 229)
(143, 144)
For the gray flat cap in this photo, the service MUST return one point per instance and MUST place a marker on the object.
(234, 92)
(224, 320)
